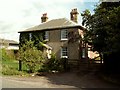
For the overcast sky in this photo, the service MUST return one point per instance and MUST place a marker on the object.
(17, 15)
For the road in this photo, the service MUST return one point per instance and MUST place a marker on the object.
(64, 80)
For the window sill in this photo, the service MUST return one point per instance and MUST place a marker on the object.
(83, 57)
(64, 39)
(64, 56)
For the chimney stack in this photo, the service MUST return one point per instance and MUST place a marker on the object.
(44, 18)
(74, 15)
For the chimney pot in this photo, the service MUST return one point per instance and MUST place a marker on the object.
(44, 18)
(74, 15)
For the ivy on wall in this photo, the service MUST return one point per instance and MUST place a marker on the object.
(36, 37)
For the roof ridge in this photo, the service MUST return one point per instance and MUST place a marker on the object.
(58, 18)
(52, 24)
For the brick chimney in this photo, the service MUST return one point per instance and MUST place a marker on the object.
(44, 18)
(74, 15)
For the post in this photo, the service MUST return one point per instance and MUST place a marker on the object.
(20, 65)
(101, 58)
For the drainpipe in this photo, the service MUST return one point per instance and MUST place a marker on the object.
(79, 53)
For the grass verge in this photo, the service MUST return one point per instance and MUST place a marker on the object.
(10, 67)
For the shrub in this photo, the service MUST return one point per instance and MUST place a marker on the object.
(53, 64)
(9, 70)
(7, 54)
(35, 60)
(4, 54)
(31, 56)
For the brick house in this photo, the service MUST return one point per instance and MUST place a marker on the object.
(62, 36)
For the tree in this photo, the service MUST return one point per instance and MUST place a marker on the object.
(32, 36)
(31, 56)
(103, 32)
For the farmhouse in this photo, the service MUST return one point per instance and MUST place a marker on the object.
(62, 36)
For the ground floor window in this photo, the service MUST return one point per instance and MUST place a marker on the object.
(83, 53)
(64, 52)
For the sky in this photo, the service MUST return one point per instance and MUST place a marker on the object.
(18, 15)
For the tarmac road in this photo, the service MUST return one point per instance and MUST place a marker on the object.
(64, 80)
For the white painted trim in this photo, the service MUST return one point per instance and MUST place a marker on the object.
(62, 32)
(64, 56)
(47, 35)
(61, 53)
(64, 39)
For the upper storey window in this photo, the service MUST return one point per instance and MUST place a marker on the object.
(64, 35)
(30, 36)
(46, 35)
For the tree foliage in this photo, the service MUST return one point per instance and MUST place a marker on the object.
(31, 56)
(32, 36)
(55, 65)
(103, 33)
(103, 27)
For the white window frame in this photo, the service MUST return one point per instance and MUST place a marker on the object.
(30, 36)
(65, 51)
(46, 35)
(64, 34)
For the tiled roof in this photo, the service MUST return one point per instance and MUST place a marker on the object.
(53, 24)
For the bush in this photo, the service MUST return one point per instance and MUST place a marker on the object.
(7, 54)
(4, 54)
(53, 64)
(31, 56)
(36, 61)
(10, 70)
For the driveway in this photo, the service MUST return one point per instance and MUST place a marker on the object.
(62, 80)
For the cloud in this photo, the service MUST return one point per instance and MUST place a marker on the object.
(16, 15)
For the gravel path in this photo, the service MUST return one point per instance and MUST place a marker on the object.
(63, 80)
